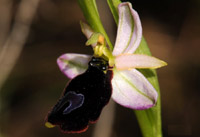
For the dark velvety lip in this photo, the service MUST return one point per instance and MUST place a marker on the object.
(83, 98)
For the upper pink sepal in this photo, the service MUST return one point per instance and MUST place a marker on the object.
(72, 64)
(131, 89)
(129, 33)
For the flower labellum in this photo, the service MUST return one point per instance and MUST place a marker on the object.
(83, 99)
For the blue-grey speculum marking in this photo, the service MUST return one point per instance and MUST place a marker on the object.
(75, 101)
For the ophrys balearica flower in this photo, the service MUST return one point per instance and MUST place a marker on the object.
(109, 70)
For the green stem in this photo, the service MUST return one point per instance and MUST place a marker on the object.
(150, 119)
(91, 14)
(113, 4)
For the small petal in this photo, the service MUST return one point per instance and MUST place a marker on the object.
(87, 31)
(131, 89)
(130, 61)
(73, 64)
(129, 33)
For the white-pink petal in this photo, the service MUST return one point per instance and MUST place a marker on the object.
(130, 61)
(72, 64)
(131, 89)
(129, 33)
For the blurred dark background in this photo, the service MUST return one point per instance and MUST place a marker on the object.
(171, 28)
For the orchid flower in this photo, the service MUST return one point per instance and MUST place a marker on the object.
(130, 88)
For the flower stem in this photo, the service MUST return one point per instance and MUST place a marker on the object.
(113, 4)
(150, 119)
